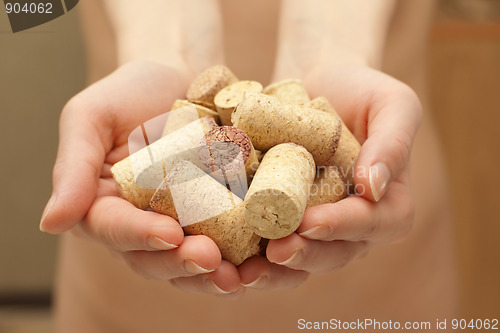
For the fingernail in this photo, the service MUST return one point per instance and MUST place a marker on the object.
(159, 244)
(46, 211)
(379, 176)
(292, 260)
(258, 283)
(218, 289)
(193, 268)
(318, 232)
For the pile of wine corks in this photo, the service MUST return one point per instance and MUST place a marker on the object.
(240, 163)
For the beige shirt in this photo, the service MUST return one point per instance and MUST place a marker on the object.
(413, 280)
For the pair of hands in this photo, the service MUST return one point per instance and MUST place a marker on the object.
(382, 113)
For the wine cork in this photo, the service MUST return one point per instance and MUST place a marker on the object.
(260, 155)
(204, 207)
(228, 98)
(183, 112)
(127, 187)
(348, 149)
(277, 197)
(228, 155)
(206, 85)
(138, 175)
(268, 123)
(290, 91)
(328, 187)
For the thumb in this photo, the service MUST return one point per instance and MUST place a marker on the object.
(76, 172)
(392, 125)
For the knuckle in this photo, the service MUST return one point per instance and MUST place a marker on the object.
(347, 256)
(411, 97)
(402, 147)
(344, 260)
(89, 105)
(74, 105)
(374, 227)
(136, 265)
(106, 231)
(107, 236)
(407, 218)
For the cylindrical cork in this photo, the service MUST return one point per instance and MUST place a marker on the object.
(228, 98)
(290, 91)
(277, 197)
(267, 123)
(127, 187)
(228, 155)
(328, 187)
(260, 155)
(348, 149)
(179, 118)
(138, 175)
(206, 85)
(204, 207)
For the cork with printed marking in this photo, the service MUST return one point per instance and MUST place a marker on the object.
(138, 175)
(205, 207)
(348, 149)
(228, 154)
(290, 91)
(278, 195)
(267, 122)
(328, 187)
(228, 98)
(206, 85)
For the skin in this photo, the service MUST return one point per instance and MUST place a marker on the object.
(383, 114)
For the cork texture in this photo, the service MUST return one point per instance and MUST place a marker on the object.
(227, 158)
(178, 117)
(268, 123)
(290, 91)
(127, 187)
(348, 149)
(228, 98)
(328, 187)
(138, 175)
(152, 163)
(204, 207)
(206, 85)
(277, 197)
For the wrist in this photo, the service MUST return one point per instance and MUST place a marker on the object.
(311, 63)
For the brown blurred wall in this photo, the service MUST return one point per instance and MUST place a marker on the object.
(465, 91)
(40, 69)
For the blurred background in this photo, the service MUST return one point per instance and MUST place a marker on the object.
(41, 68)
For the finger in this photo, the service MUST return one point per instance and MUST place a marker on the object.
(258, 273)
(224, 281)
(313, 256)
(123, 227)
(196, 255)
(77, 169)
(357, 219)
(100, 117)
(393, 120)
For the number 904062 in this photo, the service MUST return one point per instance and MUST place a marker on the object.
(474, 324)
(28, 8)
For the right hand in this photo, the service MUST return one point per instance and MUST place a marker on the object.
(94, 130)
